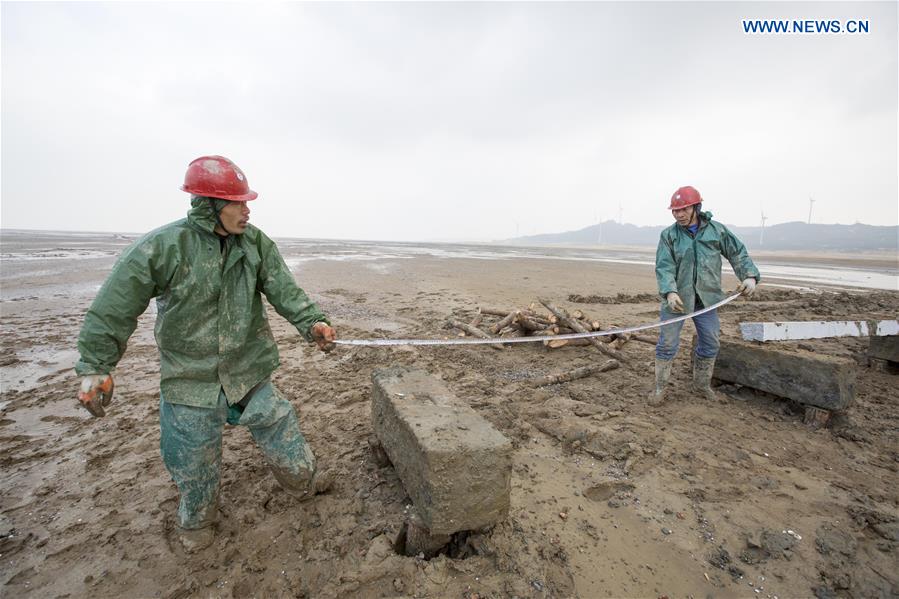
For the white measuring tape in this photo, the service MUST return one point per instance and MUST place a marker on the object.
(493, 340)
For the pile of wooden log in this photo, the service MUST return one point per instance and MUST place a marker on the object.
(545, 319)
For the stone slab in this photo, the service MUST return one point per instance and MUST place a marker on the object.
(455, 466)
(884, 348)
(825, 382)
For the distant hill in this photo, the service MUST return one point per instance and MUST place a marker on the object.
(786, 236)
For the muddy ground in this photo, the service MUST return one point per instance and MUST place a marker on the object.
(610, 498)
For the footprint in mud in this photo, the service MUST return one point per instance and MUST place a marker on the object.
(52, 418)
(12, 543)
(98, 461)
(22, 577)
(604, 491)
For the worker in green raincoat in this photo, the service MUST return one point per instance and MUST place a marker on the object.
(208, 273)
(688, 272)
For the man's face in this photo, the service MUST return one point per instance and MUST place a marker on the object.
(683, 216)
(235, 217)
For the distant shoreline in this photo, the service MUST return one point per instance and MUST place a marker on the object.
(878, 258)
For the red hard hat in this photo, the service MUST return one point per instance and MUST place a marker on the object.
(217, 177)
(685, 196)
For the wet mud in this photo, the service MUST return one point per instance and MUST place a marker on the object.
(609, 497)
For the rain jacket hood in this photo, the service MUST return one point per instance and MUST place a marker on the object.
(202, 214)
(691, 264)
(211, 327)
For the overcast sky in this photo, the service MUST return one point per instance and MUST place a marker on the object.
(459, 121)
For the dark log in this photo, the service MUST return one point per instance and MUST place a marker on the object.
(529, 325)
(506, 321)
(557, 343)
(565, 319)
(475, 332)
(590, 323)
(551, 318)
(541, 318)
(645, 339)
(577, 373)
(621, 339)
(511, 332)
(544, 333)
(494, 311)
(535, 317)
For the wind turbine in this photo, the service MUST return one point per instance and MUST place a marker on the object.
(810, 202)
(762, 231)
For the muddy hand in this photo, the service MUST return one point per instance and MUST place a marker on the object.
(675, 303)
(96, 393)
(747, 287)
(324, 336)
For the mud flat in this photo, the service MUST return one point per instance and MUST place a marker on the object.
(608, 497)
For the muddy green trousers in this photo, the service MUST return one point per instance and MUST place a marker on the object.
(191, 444)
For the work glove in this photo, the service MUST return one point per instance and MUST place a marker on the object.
(96, 393)
(324, 336)
(747, 287)
(675, 304)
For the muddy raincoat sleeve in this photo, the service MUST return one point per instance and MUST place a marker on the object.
(111, 319)
(735, 252)
(666, 268)
(282, 292)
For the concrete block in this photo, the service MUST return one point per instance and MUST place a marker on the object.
(884, 348)
(454, 465)
(825, 382)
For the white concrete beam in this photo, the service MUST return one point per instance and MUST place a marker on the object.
(785, 331)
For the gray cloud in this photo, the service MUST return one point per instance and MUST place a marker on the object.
(445, 120)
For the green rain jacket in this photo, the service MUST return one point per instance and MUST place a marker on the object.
(211, 327)
(691, 266)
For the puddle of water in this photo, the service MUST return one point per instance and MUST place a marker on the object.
(381, 268)
(67, 254)
(298, 251)
(43, 420)
(293, 263)
(350, 251)
(36, 364)
(606, 490)
(832, 276)
(798, 288)
(71, 291)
